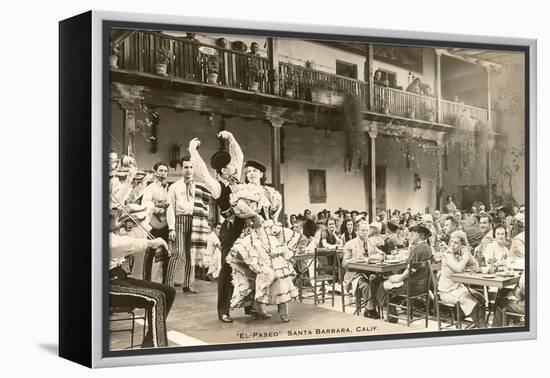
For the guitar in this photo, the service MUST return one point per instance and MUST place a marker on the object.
(158, 221)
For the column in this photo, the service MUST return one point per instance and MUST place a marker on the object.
(373, 133)
(273, 61)
(276, 126)
(438, 84)
(129, 131)
(489, 115)
(439, 187)
(491, 146)
(370, 60)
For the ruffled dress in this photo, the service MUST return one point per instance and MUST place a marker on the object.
(260, 257)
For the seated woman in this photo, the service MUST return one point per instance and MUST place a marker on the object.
(349, 233)
(331, 238)
(456, 259)
(419, 251)
(260, 258)
(496, 251)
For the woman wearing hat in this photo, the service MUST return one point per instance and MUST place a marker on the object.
(456, 259)
(419, 251)
(260, 257)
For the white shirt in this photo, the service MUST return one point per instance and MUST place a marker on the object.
(495, 252)
(154, 192)
(124, 245)
(180, 202)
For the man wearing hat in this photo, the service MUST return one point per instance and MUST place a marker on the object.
(228, 166)
(187, 217)
(419, 251)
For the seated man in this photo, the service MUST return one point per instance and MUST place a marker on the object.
(362, 285)
(124, 291)
(513, 302)
(419, 251)
(375, 228)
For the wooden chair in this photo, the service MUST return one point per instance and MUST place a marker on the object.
(323, 273)
(113, 311)
(417, 286)
(506, 314)
(343, 295)
(452, 308)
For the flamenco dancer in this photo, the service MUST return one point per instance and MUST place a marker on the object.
(228, 166)
(260, 258)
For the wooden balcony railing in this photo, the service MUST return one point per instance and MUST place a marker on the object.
(396, 102)
(451, 110)
(301, 80)
(139, 52)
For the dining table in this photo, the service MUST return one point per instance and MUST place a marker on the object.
(487, 280)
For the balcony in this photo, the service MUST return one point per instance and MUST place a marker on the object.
(188, 63)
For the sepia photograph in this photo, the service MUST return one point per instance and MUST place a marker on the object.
(267, 189)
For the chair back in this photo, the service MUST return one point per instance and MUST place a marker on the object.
(420, 277)
(325, 261)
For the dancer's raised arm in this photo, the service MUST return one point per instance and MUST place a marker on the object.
(201, 170)
(237, 156)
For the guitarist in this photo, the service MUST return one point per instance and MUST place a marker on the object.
(155, 196)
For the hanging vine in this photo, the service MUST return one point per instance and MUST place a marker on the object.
(356, 139)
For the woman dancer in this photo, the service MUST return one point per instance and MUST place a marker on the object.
(260, 258)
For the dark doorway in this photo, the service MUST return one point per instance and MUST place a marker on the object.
(346, 69)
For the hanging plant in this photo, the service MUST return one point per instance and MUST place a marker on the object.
(462, 140)
(355, 135)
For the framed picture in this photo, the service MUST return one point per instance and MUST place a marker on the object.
(182, 252)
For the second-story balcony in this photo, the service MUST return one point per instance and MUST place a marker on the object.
(187, 60)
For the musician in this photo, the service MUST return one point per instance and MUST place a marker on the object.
(155, 197)
(125, 291)
(187, 217)
(228, 166)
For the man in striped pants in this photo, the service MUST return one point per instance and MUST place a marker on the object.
(181, 199)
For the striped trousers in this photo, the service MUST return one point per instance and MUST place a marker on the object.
(181, 253)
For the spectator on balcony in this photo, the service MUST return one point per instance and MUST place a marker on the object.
(254, 47)
(450, 206)
(378, 79)
(427, 90)
(415, 86)
(191, 37)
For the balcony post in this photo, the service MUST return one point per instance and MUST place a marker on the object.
(276, 126)
(438, 84)
(440, 140)
(373, 134)
(370, 61)
(128, 123)
(488, 165)
(489, 115)
(273, 64)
